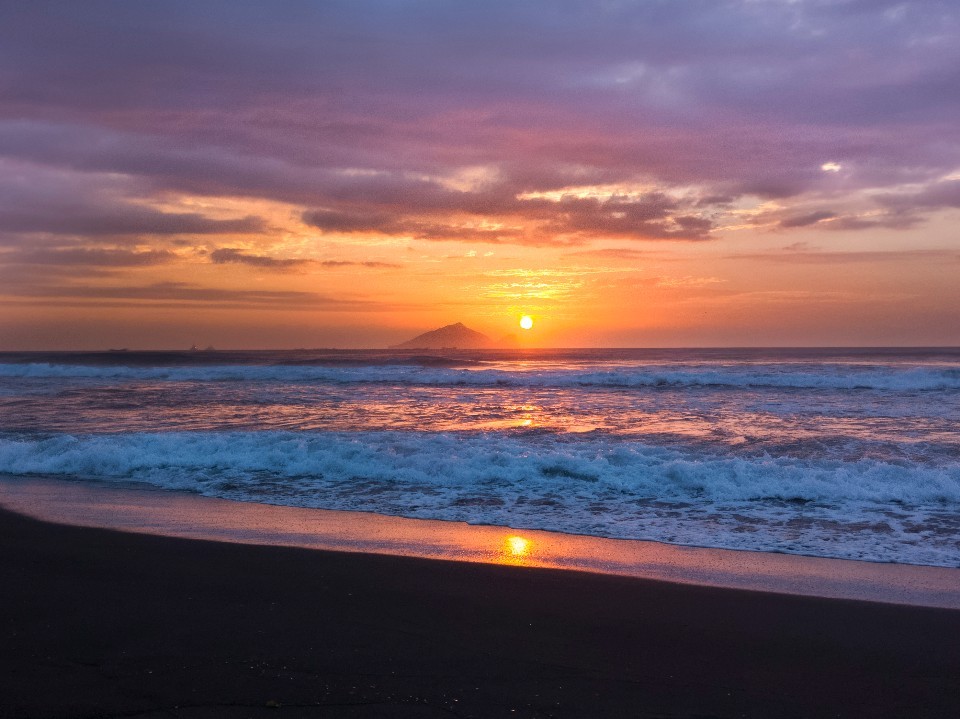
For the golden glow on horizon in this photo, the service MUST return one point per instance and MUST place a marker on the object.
(296, 286)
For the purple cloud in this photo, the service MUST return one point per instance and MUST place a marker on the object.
(174, 294)
(87, 257)
(230, 255)
(809, 218)
(362, 117)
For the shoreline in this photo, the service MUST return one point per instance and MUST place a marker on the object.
(175, 514)
(100, 623)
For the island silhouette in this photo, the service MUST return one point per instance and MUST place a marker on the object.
(456, 336)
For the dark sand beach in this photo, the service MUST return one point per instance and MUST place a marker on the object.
(102, 623)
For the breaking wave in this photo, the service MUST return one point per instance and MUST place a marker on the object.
(883, 511)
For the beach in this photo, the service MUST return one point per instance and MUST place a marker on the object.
(105, 623)
(558, 533)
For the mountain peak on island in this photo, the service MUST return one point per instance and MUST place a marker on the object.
(456, 336)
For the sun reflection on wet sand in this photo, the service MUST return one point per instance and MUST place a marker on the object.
(515, 550)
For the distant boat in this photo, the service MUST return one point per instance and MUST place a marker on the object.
(122, 349)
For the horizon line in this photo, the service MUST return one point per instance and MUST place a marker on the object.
(210, 350)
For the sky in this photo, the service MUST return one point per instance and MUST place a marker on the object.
(350, 174)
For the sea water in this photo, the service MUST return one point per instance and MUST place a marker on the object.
(835, 453)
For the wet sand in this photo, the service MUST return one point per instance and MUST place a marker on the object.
(103, 623)
(178, 514)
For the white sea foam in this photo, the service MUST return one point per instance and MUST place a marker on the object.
(885, 511)
(822, 376)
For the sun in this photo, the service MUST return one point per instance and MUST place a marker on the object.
(526, 322)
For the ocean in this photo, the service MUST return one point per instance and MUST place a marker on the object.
(848, 453)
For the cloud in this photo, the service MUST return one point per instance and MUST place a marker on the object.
(652, 216)
(37, 200)
(341, 221)
(119, 220)
(87, 257)
(897, 212)
(373, 264)
(897, 220)
(935, 195)
(610, 253)
(184, 293)
(810, 218)
(369, 119)
(41, 265)
(230, 255)
(568, 220)
(125, 222)
(801, 255)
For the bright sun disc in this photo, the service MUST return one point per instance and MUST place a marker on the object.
(526, 322)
